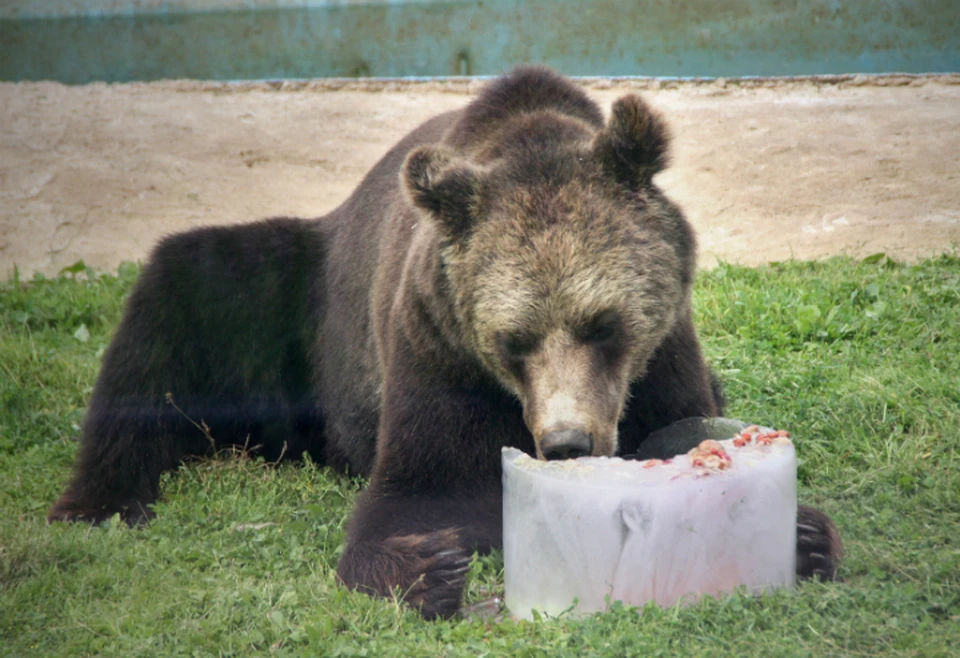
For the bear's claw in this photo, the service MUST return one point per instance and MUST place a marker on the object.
(438, 590)
(819, 548)
(66, 510)
(429, 570)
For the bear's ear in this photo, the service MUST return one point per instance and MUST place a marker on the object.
(446, 190)
(633, 145)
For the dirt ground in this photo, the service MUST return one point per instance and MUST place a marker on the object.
(766, 170)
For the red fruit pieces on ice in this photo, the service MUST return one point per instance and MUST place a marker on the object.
(710, 454)
(754, 434)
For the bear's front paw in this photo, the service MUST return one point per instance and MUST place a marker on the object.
(68, 510)
(428, 569)
(437, 580)
(819, 548)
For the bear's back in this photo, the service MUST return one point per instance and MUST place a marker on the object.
(527, 90)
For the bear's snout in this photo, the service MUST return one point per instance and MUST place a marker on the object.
(566, 444)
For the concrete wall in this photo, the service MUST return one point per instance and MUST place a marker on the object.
(65, 8)
(78, 41)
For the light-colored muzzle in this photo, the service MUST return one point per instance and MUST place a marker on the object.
(571, 403)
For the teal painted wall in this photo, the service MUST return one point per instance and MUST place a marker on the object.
(77, 41)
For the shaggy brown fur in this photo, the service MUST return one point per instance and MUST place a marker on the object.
(505, 274)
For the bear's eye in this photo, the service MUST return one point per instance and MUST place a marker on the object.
(515, 345)
(601, 328)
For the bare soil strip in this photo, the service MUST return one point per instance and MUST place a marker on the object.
(766, 169)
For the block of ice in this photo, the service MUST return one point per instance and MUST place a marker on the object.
(639, 531)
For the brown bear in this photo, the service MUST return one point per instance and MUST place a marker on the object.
(507, 275)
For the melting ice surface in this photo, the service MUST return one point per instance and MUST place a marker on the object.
(599, 527)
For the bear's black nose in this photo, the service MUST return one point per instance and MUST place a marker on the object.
(566, 444)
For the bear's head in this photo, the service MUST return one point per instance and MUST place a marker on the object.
(566, 265)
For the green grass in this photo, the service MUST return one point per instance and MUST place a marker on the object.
(861, 360)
